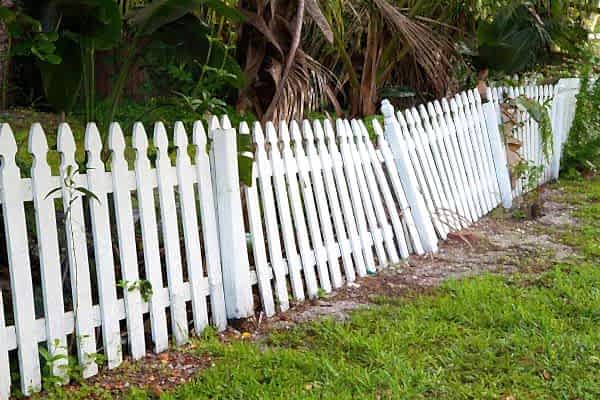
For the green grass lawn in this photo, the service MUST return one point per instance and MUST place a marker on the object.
(518, 337)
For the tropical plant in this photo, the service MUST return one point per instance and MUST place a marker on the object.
(282, 80)
(24, 38)
(87, 26)
(524, 34)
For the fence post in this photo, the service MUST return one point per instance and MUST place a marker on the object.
(563, 111)
(498, 154)
(232, 235)
(416, 202)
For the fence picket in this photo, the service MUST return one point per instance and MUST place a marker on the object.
(291, 171)
(416, 199)
(449, 162)
(76, 237)
(103, 254)
(349, 174)
(443, 111)
(439, 163)
(149, 227)
(19, 266)
(374, 191)
(371, 159)
(259, 251)
(208, 221)
(313, 173)
(308, 199)
(264, 173)
(349, 244)
(49, 252)
(283, 205)
(405, 210)
(374, 232)
(462, 136)
(189, 216)
(126, 238)
(170, 233)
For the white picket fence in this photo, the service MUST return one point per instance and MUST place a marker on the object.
(328, 204)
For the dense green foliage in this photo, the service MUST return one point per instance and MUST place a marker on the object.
(283, 61)
(582, 149)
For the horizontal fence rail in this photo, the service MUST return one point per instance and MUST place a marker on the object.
(152, 240)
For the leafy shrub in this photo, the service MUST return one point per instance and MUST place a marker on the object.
(582, 149)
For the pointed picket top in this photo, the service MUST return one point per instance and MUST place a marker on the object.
(284, 133)
(470, 97)
(213, 125)
(180, 138)
(340, 130)
(139, 139)
(410, 117)
(348, 133)
(465, 99)
(116, 139)
(296, 133)
(454, 104)
(65, 144)
(244, 128)
(402, 119)
(431, 111)
(317, 131)
(445, 105)
(328, 130)
(477, 96)
(272, 135)
(93, 145)
(225, 122)
(258, 134)
(437, 106)
(37, 144)
(423, 112)
(199, 136)
(8, 145)
(356, 131)
(161, 140)
(378, 129)
(307, 131)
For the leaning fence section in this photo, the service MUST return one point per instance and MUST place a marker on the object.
(154, 240)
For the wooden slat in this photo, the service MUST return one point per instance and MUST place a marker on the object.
(347, 239)
(374, 191)
(259, 251)
(352, 207)
(285, 217)
(312, 173)
(271, 223)
(170, 235)
(47, 240)
(127, 245)
(103, 253)
(191, 232)
(79, 267)
(371, 157)
(398, 191)
(147, 208)
(308, 199)
(299, 221)
(17, 248)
